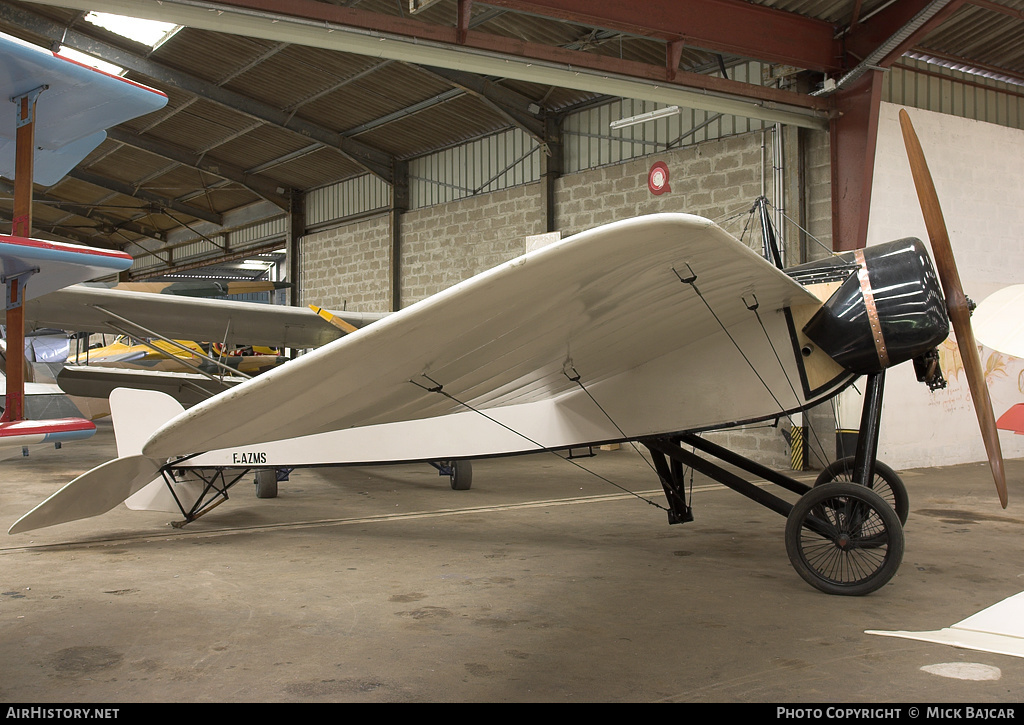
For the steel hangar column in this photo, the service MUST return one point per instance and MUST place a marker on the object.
(853, 133)
(552, 167)
(296, 229)
(399, 205)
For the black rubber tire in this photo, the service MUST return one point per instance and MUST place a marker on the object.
(886, 483)
(462, 475)
(266, 483)
(843, 538)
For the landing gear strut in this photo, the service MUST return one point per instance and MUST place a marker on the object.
(460, 473)
(209, 489)
(843, 536)
(886, 483)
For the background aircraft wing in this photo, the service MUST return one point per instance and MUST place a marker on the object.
(72, 112)
(90, 309)
(56, 264)
(603, 304)
(34, 267)
(96, 381)
(197, 287)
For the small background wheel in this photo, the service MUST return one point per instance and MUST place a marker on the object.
(266, 483)
(886, 483)
(843, 538)
(462, 475)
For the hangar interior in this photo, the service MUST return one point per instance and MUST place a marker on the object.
(372, 153)
(371, 177)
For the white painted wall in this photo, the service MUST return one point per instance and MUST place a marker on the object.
(979, 176)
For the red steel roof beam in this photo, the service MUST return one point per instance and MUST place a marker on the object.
(725, 26)
(353, 17)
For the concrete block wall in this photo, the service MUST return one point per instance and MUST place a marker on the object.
(348, 267)
(716, 179)
(447, 243)
(817, 174)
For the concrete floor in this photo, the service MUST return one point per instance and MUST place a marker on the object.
(542, 583)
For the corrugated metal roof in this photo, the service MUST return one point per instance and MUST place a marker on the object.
(388, 107)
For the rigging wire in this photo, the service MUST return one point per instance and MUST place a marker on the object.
(576, 378)
(692, 281)
(792, 388)
(631, 442)
(834, 403)
(439, 388)
(810, 236)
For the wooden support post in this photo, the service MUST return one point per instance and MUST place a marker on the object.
(14, 285)
(14, 407)
(23, 163)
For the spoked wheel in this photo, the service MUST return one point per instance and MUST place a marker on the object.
(843, 538)
(886, 483)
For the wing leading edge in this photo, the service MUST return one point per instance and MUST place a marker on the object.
(612, 306)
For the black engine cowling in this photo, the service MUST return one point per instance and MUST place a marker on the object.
(889, 309)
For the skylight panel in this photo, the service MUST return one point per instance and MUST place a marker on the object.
(148, 32)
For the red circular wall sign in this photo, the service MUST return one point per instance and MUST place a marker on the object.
(657, 179)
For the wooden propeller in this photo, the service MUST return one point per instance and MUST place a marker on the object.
(956, 302)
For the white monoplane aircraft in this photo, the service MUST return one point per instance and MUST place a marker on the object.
(652, 329)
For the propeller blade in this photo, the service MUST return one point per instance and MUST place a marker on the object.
(956, 302)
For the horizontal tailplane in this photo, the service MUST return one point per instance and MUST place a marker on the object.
(136, 414)
(91, 494)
